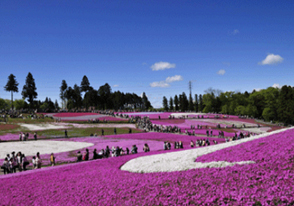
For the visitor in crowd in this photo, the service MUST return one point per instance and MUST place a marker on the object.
(5, 166)
(102, 132)
(95, 154)
(114, 130)
(52, 159)
(192, 143)
(146, 148)
(65, 133)
(181, 145)
(134, 149)
(25, 162)
(38, 161)
(79, 156)
(35, 136)
(34, 162)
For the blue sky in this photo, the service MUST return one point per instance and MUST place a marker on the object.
(155, 47)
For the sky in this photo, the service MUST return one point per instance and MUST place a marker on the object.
(155, 47)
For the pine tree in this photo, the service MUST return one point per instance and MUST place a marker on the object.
(196, 103)
(29, 90)
(171, 104)
(63, 88)
(164, 103)
(11, 86)
(176, 102)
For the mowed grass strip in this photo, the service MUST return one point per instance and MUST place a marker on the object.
(84, 132)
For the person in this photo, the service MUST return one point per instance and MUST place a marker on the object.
(19, 161)
(117, 151)
(165, 145)
(211, 133)
(52, 159)
(79, 156)
(102, 132)
(192, 143)
(134, 149)
(107, 152)
(38, 160)
(86, 155)
(20, 137)
(168, 146)
(181, 145)
(65, 133)
(130, 130)
(5, 166)
(127, 150)
(207, 133)
(25, 162)
(146, 148)
(35, 136)
(34, 162)
(114, 130)
(95, 155)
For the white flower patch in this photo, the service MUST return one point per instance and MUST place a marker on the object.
(30, 148)
(185, 160)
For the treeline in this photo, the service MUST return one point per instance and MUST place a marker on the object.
(271, 104)
(85, 96)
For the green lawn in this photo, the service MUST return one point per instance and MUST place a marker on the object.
(82, 132)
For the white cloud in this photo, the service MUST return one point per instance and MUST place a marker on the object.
(221, 72)
(159, 84)
(272, 59)
(162, 66)
(236, 31)
(116, 85)
(174, 79)
(276, 86)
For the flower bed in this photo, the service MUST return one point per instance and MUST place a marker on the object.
(168, 137)
(267, 182)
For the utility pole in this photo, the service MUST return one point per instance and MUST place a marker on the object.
(190, 87)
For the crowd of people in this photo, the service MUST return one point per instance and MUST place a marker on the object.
(109, 152)
(19, 162)
(25, 136)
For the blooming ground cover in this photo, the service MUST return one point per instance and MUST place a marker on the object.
(268, 182)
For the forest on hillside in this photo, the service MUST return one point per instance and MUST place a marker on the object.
(271, 104)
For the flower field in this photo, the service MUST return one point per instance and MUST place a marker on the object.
(101, 182)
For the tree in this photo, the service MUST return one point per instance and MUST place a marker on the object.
(164, 103)
(184, 103)
(200, 103)
(11, 86)
(62, 92)
(196, 103)
(146, 103)
(19, 104)
(85, 84)
(104, 94)
(29, 90)
(56, 105)
(191, 106)
(171, 104)
(176, 102)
